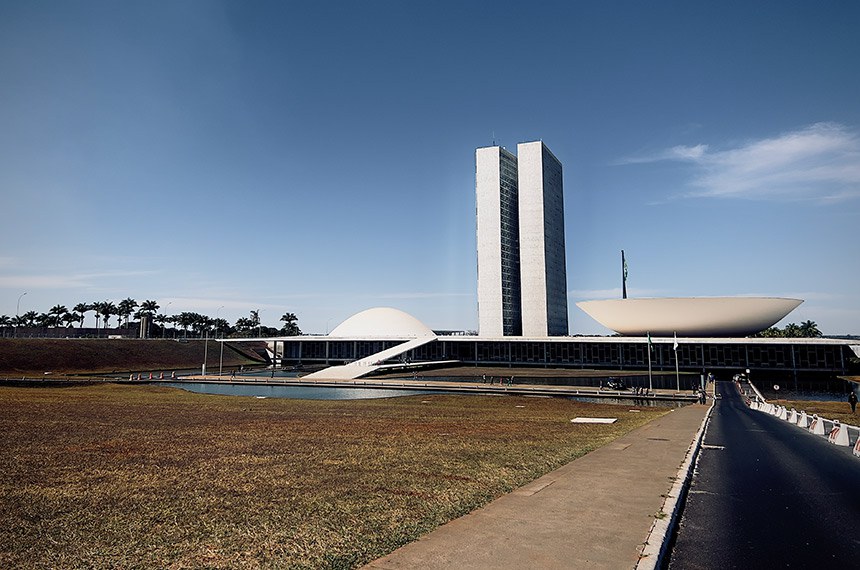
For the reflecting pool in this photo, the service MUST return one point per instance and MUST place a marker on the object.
(296, 392)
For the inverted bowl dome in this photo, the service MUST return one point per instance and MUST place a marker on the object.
(690, 316)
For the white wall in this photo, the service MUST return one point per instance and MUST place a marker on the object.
(487, 181)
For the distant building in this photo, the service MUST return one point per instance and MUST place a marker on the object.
(522, 281)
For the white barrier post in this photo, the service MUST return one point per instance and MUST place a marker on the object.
(857, 447)
(803, 420)
(792, 417)
(817, 426)
(783, 413)
(839, 434)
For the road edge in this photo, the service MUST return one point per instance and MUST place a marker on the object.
(657, 542)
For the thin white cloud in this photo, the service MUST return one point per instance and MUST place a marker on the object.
(820, 163)
(417, 295)
(79, 281)
(688, 152)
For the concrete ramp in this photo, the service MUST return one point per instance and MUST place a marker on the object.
(368, 364)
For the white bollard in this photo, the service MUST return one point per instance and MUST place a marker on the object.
(783, 413)
(792, 417)
(857, 447)
(803, 420)
(817, 425)
(839, 435)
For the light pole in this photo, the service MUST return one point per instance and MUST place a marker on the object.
(17, 310)
(217, 333)
(164, 325)
(205, 352)
(259, 325)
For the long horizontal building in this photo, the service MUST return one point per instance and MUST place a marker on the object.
(372, 339)
(619, 353)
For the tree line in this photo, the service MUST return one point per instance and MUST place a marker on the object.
(806, 329)
(129, 311)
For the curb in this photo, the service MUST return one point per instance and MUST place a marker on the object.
(657, 542)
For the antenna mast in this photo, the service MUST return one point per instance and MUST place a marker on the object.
(623, 276)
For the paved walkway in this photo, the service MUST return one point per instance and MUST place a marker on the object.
(594, 512)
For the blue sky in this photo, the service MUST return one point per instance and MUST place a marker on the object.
(319, 157)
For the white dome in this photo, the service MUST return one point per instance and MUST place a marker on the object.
(381, 322)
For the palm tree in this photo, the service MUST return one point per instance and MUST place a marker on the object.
(255, 320)
(125, 308)
(809, 329)
(81, 309)
(57, 312)
(184, 320)
(791, 330)
(244, 324)
(97, 309)
(107, 309)
(29, 318)
(222, 327)
(291, 327)
(161, 319)
(148, 308)
(70, 318)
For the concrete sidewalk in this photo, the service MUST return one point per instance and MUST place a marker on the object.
(595, 512)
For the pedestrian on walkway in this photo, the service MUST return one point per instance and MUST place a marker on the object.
(852, 399)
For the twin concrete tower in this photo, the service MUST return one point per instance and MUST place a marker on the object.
(522, 279)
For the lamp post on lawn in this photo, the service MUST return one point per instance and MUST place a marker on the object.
(17, 310)
(205, 352)
(167, 317)
(218, 334)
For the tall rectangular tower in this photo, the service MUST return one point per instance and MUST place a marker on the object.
(542, 255)
(498, 243)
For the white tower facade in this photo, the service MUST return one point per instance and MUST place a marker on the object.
(498, 242)
(542, 253)
(522, 283)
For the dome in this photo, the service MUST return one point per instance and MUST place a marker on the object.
(381, 322)
(690, 316)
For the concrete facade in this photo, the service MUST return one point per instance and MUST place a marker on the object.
(542, 253)
(522, 281)
(498, 242)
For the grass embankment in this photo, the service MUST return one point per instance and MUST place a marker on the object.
(112, 476)
(74, 356)
(831, 410)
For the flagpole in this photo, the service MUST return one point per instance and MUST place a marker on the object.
(677, 373)
(650, 383)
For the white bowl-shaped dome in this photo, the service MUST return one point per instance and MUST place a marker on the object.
(690, 316)
(382, 322)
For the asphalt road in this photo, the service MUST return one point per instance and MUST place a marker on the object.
(767, 494)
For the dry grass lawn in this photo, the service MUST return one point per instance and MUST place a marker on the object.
(110, 476)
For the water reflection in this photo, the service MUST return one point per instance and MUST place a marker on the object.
(296, 392)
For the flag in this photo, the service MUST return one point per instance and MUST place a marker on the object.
(675, 346)
(625, 270)
(650, 346)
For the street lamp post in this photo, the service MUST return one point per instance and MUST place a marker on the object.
(205, 352)
(218, 333)
(18, 310)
